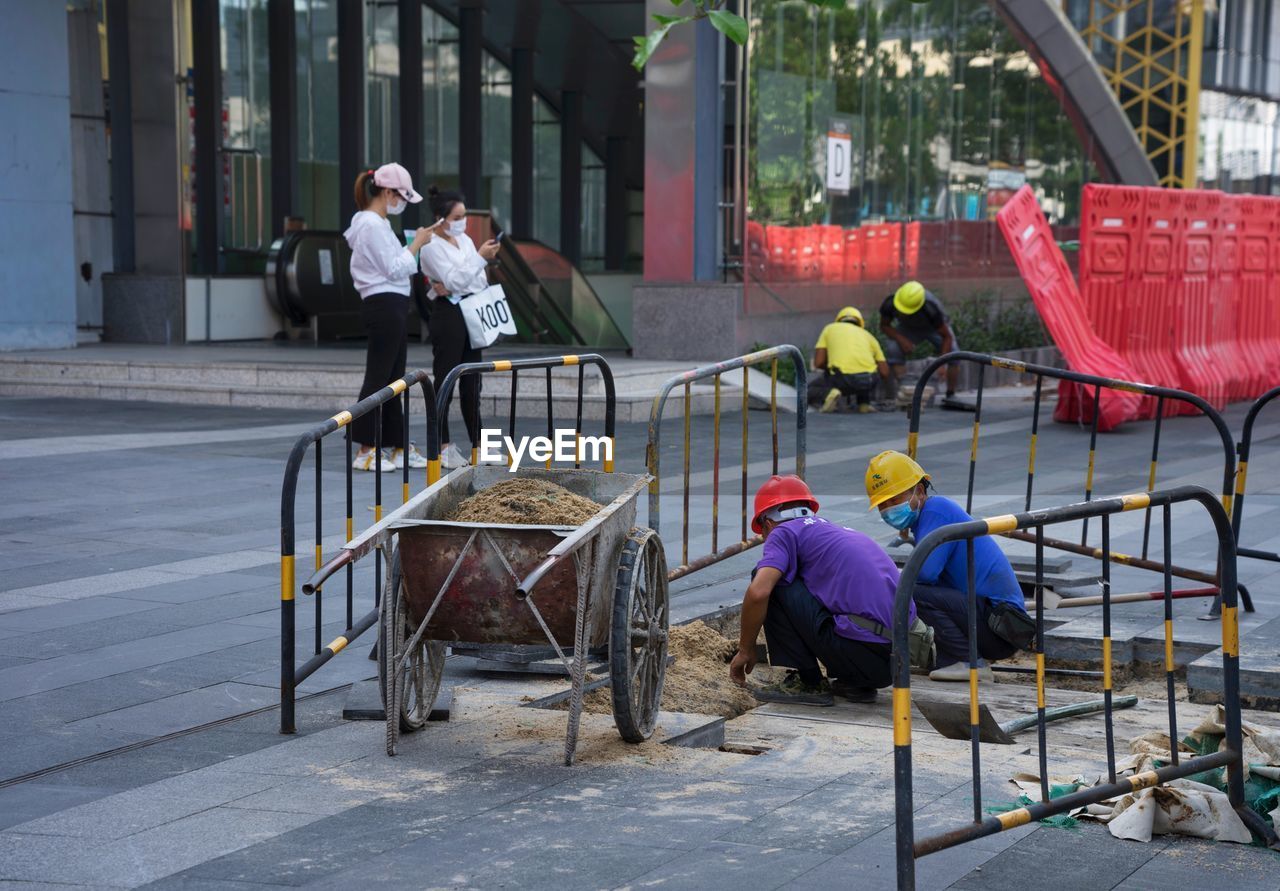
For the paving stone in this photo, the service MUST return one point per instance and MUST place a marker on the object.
(50, 674)
(165, 801)
(724, 866)
(48, 618)
(1216, 866)
(81, 638)
(184, 710)
(1093, 858)
(32, 800)
(828, 820)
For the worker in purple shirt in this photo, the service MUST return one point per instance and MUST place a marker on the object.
(812, 576)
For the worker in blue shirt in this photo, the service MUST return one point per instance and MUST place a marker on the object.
(900, 488)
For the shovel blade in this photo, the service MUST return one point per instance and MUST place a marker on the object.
(951, 719)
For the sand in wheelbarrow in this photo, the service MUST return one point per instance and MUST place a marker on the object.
(526, 502)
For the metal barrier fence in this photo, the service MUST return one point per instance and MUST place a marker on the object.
(1160, 394)
(291, 674)
(515, 366)
(1242, 453)
(653, 449)
(908, 849)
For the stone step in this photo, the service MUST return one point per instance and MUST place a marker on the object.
(631, 406)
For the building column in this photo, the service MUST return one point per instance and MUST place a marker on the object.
(121, 135)
(282, 53)
(411, 134)
(571, 176)
(708, 159)
(616, 210)
(522, 142)
(470, 122)
(351, 122)
(207, 59)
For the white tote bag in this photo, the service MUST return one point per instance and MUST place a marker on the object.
(487, 315)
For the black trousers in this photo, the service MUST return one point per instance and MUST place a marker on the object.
(450, 347)
(947, 610)
(800, 631)
(860, 386)
(385, 317)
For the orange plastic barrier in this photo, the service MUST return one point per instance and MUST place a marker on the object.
(1258, 321)
(1048, 278)
(882, 251)
(853, 254)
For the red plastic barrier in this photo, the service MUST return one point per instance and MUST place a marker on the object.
(911, 250)
(1257, 323)
(932, 261)
(1154, 288)
(1226, 304)
(882, 252)
(1045, 272)
(831, 254)
(970, 252)
(806, 244)
(1110, 260)
(853, 255)
(757, 252)
(782, 257)
(1199, 363)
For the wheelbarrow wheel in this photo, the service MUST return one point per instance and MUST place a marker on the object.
(408, 691)
(638, 638)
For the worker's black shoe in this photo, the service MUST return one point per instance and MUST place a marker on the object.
(853, 693)
(792, 689)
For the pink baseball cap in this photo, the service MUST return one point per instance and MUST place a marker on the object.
(393, 176)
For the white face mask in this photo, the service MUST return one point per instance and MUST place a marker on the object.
(397, 207)
(458, 227)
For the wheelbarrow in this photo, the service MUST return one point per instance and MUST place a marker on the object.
(452, 583)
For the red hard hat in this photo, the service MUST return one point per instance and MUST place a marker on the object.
(781, 490)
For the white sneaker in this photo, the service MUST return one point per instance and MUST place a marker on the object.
(451, 458)
(372, 460)
(959, 671)
(417, 460)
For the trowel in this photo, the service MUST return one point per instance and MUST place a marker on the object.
(951, 719)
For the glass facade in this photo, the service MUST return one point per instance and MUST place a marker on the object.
(894, 131)
(317, 114)
(1239, 144)
(382, 82)
(246, 134)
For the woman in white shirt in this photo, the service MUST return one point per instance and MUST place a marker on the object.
(381, 268)
(457, 269)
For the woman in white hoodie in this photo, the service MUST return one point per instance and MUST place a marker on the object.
(381, 267)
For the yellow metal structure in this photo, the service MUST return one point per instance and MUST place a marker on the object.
(1150, 53)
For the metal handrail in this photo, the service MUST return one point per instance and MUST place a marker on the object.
(908, 849)
(653, 452)
(1242, 467)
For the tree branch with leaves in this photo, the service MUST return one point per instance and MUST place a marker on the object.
(727, 22)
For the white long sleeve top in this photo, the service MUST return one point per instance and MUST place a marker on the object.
(460, 269)
(380, 263)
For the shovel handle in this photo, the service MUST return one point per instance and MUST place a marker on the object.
(1074, 710)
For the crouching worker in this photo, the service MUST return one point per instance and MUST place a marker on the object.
(849, 357)
(900, 488)
(812, 577)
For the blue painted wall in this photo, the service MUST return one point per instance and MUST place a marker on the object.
(37, 265)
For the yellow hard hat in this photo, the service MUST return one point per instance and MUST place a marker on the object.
(890, 474)
(909, 298)
(851, 313)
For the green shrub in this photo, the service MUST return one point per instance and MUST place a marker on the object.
(786, 368)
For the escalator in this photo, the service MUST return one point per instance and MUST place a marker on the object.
(308, 280)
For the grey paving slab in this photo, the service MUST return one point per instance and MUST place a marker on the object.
(872, 864)
(322, 848)
(1215, 867)
(724, 866)
(91, 636)
(51, 674)
(49, 618)
(173, 847)
(30, 801)
(165, 801)
(48, 575)
(188, 709)
(196, 589)
(1092, 858)
(828, 820)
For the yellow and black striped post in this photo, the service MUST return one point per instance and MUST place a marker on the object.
(1106, 647)
(684, 528)
(715, 472)
(973, 445)
(1035, 435)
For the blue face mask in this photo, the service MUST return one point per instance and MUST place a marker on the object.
(900, 516)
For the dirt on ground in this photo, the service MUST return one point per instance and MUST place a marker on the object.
(698, 680)
(1143, 684)
(526, 502)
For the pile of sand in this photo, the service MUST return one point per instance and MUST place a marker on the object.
(526, 502)
(698, 680)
